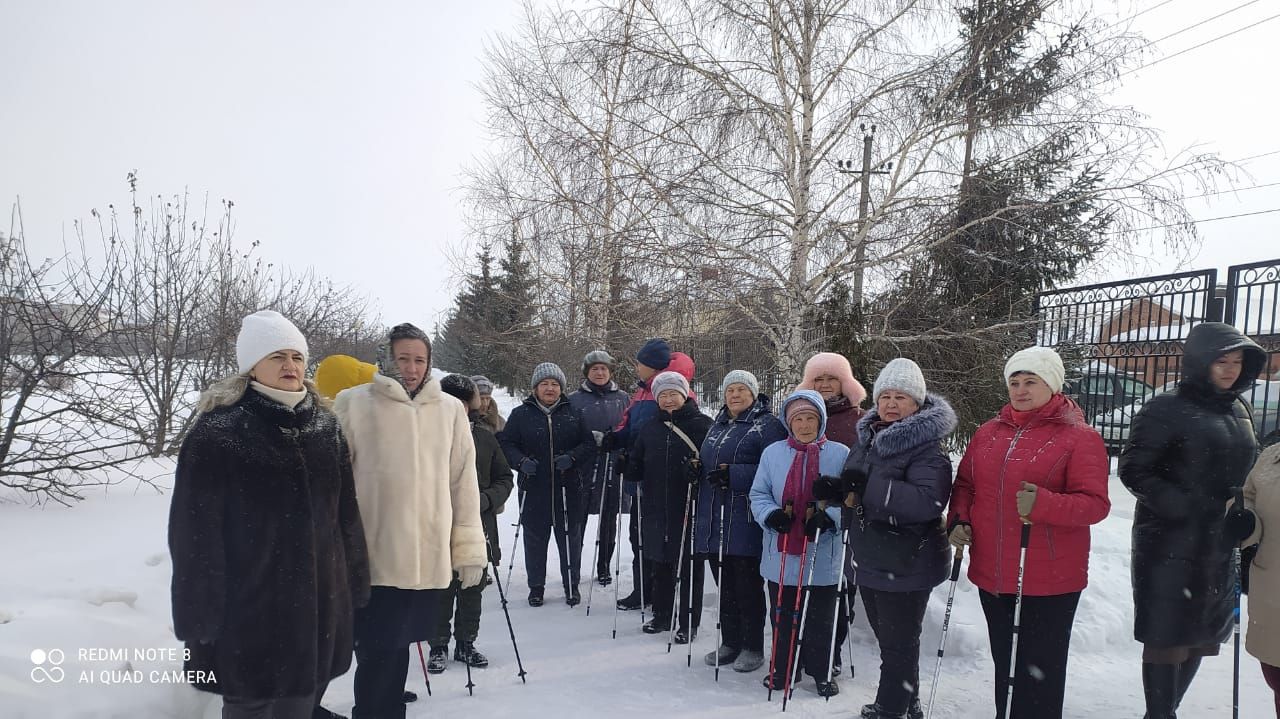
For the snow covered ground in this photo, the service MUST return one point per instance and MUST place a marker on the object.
(92, 582)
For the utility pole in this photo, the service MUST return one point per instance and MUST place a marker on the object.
(864, 203)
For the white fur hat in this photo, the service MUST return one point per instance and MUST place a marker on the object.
(1040, 361)
(263, 333)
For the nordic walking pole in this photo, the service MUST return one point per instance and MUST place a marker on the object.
(595, 555)
(471, 686)
(639, 507)
(840, 587)
(502, 596)
(719, 578)
(797, 634)
(789, 508)
(675, 598)
(693, 522)
(423, 661)
(515, 544)
(617, 566)
(1238, 495)
(1017, 619)
(946, 623)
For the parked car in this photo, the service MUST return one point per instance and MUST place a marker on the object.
(1100, 389)
(1264, 398)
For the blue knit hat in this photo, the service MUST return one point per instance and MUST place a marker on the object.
(548, 370)
(656, 353)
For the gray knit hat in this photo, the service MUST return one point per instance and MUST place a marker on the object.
(548, 370)
(742, 377)
(903, 375)
(483, 384)
(596, 357)
(669, 380)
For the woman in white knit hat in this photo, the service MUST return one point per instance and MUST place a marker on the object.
(268, 550)
(415, 470)
(1038, 463)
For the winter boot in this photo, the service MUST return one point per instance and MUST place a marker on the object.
(656, 626)
(571, 595)
(776, 680)
(1160, 689)
(631, 602)
(827, 688)
(466, 653)
(604, 577)
(535, 596)
(726, 655)
(409, 697)
(875, 711)
(684, 637)
(320, 712)
(438, 661)
(748, 661)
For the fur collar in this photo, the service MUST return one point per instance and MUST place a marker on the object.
(933, 423)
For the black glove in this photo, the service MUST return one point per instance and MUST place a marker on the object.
(693, 470)
(564, 462)
(608, 442)
(829, 488)
(719, 477)
(1238, 524)
(779, 521)
(855, 480)
(528, 466)
(819, 522)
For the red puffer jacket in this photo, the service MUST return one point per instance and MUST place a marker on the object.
(1056, 450)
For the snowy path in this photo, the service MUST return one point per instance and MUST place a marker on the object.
(97, 576)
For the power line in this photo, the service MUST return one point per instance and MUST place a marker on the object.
(1206, 21)
(1232, 191)
(1197, 222)
(1139, 14)
(1197, 47)
(1254, 157)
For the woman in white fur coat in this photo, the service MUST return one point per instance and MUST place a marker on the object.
(415, 476)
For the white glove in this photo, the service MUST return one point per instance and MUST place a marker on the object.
(470, 576)
(598, 435)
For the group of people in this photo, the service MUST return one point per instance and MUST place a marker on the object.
(303, 532)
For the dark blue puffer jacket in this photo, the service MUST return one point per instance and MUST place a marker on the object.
(909, 485)
(601, 409)
(738, 443)
(540, 435)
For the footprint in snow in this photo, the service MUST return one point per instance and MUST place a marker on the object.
(98, 597)
(156, 560)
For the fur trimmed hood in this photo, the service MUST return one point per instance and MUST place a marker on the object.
(935, 421)
(228, 391)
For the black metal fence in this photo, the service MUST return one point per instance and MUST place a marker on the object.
(1122, 341)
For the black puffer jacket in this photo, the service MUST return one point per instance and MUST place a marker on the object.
(542, 435)
(658, 460)
(1187, 451)
(494, 475)
(269, 555)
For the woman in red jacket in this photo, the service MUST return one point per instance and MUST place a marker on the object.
(1039, 463)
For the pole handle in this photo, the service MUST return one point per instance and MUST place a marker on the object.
(1026, 534)
(955, 564)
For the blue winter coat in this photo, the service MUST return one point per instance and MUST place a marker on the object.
(542, 436)
(909, 486)
(601, 409)
(737, 442)
(766, 496)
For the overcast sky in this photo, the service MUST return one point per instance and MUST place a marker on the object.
(340, 129)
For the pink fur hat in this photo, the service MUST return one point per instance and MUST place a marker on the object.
(836, 365)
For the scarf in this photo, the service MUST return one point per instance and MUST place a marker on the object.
(799, 490)
(283, 396)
